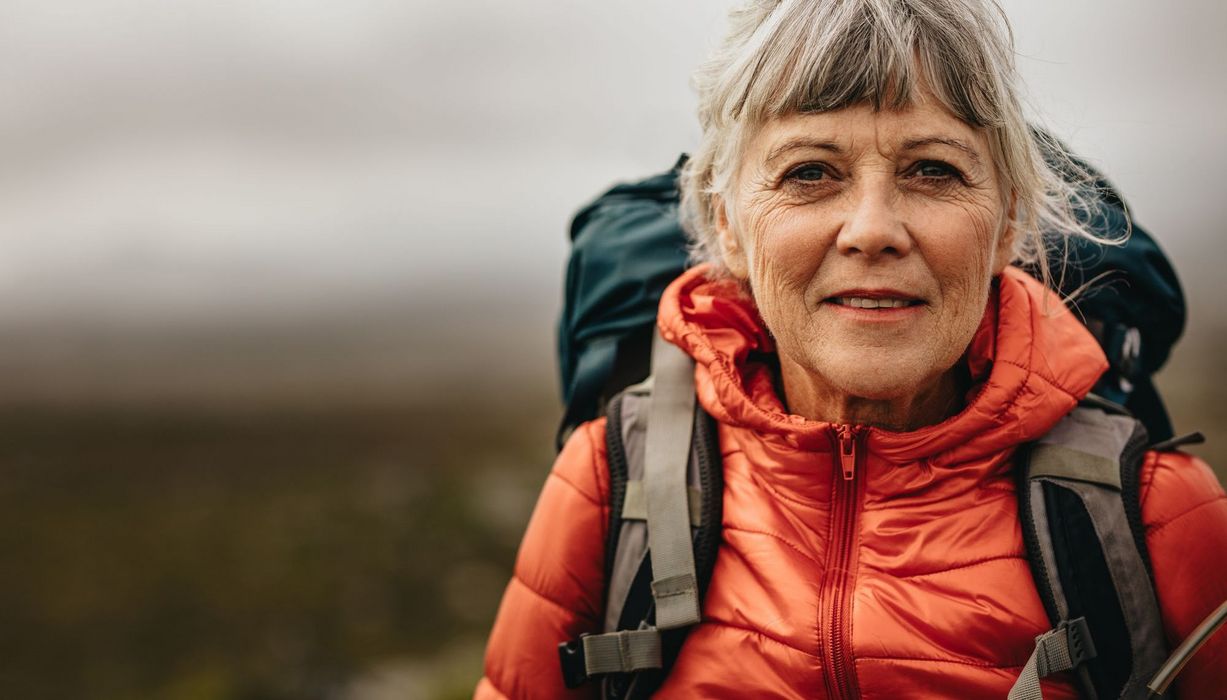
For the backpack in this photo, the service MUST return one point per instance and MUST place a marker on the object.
(1096, 583)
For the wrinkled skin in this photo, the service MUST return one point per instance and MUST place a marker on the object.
(905, 202)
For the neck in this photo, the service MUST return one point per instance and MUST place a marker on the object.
(811, 396)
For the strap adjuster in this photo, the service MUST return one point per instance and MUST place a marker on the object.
(574, 666)
(1066, 647)
(626, 651)
(1081, 645)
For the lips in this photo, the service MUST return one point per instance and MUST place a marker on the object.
(874, 299)
(864, 303)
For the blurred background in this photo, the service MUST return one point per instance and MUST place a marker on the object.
(278, 286)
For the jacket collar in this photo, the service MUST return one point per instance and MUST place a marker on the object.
(1031, 361)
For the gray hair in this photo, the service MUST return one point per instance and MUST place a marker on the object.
(783, 57)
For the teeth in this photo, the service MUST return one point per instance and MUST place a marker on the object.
(863, 303)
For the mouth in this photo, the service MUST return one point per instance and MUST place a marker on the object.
(870, 303)
(874, 299)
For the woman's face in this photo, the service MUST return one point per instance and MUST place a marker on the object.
(869, 240)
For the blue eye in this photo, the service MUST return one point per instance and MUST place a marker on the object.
(810, 172)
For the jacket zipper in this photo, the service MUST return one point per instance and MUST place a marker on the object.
(845, 518)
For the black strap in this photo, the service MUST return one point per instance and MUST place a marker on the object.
(1194, 438)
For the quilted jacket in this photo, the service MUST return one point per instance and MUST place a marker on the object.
(908, 580)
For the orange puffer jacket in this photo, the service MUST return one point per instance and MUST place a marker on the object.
(907, 581)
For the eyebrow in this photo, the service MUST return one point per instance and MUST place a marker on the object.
(913, 144)
(802, 142)
(909, 145)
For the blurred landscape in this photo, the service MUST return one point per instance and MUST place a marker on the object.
(277, 293)
(303, 538)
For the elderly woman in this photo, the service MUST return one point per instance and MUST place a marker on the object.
(864, 183)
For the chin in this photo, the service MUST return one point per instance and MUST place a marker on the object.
(877, 376)
(884, 390)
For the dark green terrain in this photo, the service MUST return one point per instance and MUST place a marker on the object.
(265, 550)
(259, 554)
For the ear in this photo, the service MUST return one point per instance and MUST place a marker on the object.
(1003, 255)
(731, 251)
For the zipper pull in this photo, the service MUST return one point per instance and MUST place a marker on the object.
(847, 450)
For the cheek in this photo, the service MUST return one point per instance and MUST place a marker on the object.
(787, 250)
(961, 255)
(959, 244)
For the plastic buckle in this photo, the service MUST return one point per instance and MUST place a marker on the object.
(574, 665)
(1081, 646)
(1130, 358)
(1064, 647)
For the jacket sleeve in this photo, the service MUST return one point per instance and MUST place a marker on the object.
(555, 593)
(1184, 512)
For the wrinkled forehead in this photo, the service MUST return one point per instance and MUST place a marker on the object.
(861, 128)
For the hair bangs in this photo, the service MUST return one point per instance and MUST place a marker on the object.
(819, 57)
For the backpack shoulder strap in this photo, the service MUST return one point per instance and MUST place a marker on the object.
(1081, 520)
(675, 587)
(665, 501)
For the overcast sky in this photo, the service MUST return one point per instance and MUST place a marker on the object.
(204, 160)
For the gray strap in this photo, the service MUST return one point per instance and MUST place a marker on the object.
(1043, 530)
(635, 507)
(1136, 595)
(1059, 649)
(1083, 455)
(667, 448)
(621, 652)
(1085, 446)
(1067, 463)
(632, 550)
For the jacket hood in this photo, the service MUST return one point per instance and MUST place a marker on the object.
(1030, 362)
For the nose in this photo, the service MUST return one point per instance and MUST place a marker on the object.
(874, 226)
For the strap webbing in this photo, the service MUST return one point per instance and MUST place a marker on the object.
(666, 452)
(621, 652)
(1063, 462)
(635, 506)
(1059, 649)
